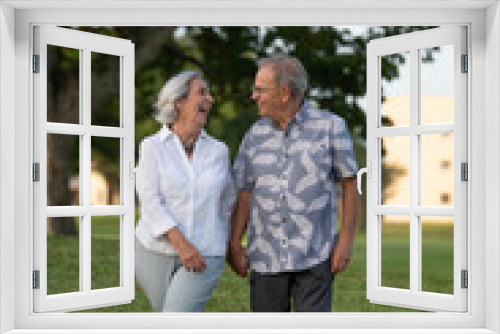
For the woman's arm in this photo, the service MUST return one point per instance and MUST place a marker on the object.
(156, 215)
(190, 257)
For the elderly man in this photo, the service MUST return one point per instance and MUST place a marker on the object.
(289, 166)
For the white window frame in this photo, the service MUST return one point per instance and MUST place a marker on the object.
(483, 20)
(413, 43)
(123, 51)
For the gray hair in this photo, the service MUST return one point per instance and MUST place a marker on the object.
(289, 71)
(174, 90)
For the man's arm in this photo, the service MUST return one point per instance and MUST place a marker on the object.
(342, 252)
(237, 254)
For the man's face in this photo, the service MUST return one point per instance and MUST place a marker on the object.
(267, 93)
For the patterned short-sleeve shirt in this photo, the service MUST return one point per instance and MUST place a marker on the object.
(293, 176)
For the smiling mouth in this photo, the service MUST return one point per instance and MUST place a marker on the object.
(203, 110)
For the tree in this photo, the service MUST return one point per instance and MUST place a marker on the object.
(334, 58)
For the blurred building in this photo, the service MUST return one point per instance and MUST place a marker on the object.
(436, 154)
(102, 191)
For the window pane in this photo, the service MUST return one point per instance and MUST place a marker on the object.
(437, 84)
(105, 252)
(437, 169)
(63, 85)
(63, 170)
(63, 255)
(437, 254)
(105, 176)
(395, 101)
(395, 251)
(105, 89)
(395, 170)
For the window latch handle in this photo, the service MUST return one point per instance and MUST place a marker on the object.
(133, 171)
(368, 171)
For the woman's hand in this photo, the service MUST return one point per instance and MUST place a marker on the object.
(190, 257)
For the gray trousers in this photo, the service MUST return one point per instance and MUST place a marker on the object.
(169, 287)
(311, 290)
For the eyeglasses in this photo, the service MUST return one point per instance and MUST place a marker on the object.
(260, 90)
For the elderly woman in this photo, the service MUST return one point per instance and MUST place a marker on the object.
(186, 195)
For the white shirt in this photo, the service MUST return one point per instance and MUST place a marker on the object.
(196, 195)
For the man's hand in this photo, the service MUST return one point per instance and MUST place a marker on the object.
(238, 259)
(190, 257)
(341, 254)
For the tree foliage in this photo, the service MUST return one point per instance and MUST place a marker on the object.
(334, 58)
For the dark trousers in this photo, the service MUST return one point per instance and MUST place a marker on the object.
(310, 289)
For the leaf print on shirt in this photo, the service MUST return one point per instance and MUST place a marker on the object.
(300, 146)
(268, 180)
(277, 232)
(265, 203)
(271, 144)
(307, 181)
(275, 218)
(262, 246)
(342, 144)
(251, 152)
(308, 163)
(265, 159)
(258, 223)
(319, 203)
(299, 243)
(261, 130)
(304, 225)
(319, 125)
(259, 266)
(295, 203)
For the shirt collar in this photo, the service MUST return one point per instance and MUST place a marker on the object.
(166, 133)
(299, 118)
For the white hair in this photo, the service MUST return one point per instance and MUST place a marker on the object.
(174, 90)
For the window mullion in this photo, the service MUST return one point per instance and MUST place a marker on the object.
(415, 256)
(85, 239)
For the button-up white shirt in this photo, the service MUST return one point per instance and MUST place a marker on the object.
(196, 195)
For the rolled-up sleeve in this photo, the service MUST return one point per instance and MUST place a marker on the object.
(153, 208)
(344, 158)
(242, 168)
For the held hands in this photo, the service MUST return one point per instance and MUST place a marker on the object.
(238, 259)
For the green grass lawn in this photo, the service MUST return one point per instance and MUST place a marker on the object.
(232, 293)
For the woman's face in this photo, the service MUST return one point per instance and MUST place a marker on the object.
(193, 110)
